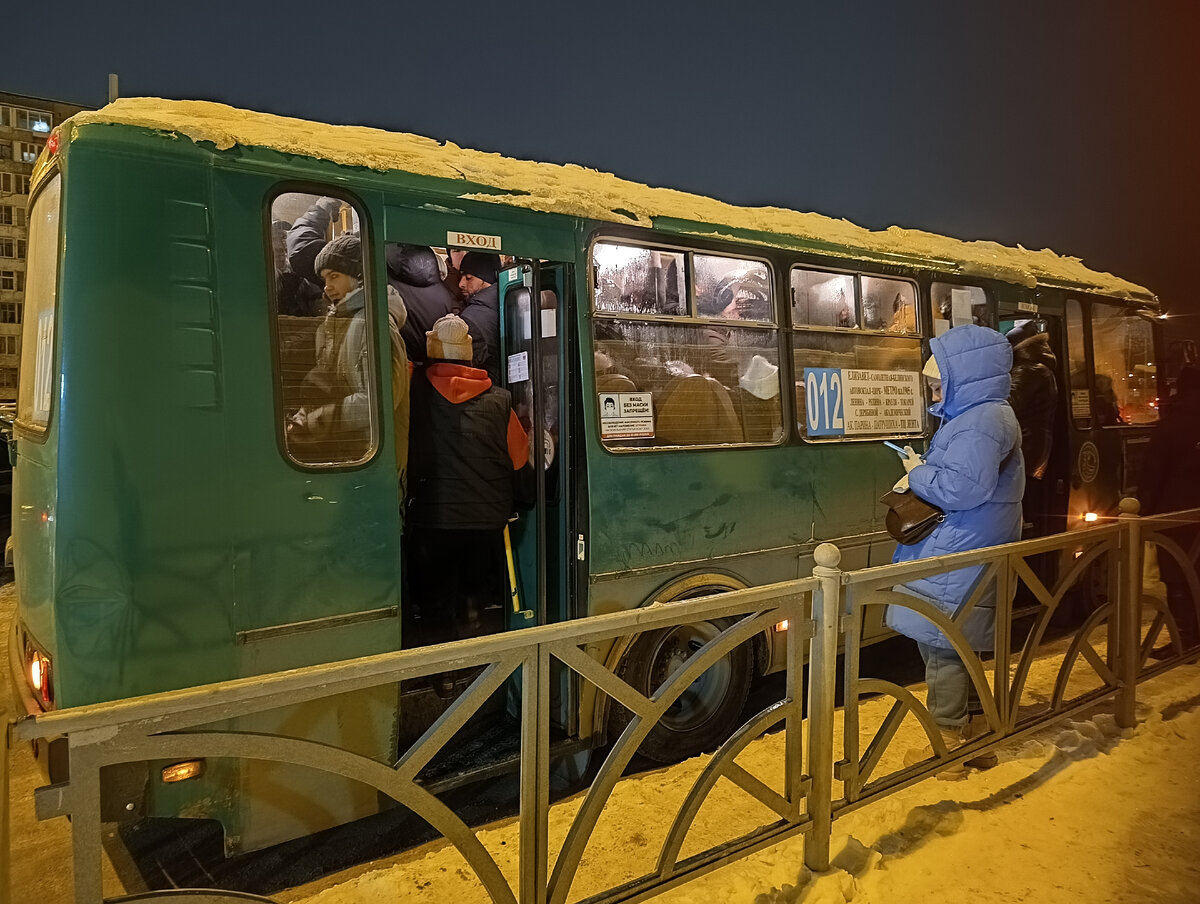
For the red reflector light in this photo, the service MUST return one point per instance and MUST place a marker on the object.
(52, 142)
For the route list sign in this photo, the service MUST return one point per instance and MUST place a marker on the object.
(851, 402)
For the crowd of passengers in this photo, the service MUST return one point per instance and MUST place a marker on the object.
(462, 455)
(712, 384)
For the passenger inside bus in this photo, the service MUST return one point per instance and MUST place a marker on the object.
(328, 405)
(468, 450)
(1034, 400)
(414, 272)
(337, 417)
(481, 307)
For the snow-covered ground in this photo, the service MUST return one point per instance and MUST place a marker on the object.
(1082, 812)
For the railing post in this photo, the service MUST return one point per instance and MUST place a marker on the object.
(1129, 611)
(6, 816)
(822, 686)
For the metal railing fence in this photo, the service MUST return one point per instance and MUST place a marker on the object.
(825, 613)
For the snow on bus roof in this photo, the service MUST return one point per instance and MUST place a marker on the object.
(576, 191)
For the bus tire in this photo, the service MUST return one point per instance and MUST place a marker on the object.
(707, 712)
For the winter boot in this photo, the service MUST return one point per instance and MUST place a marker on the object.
(957, 771)
(951, 739)
(954, 739)
(977, 727)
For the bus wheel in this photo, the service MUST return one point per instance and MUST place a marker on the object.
(707, 712)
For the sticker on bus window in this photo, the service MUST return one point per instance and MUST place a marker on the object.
(626, 415)
(518, 367)
(852, 402)
(1081, 403)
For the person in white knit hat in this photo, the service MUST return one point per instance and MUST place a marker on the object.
(465, 448)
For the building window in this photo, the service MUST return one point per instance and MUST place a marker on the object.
(5, 117)
(9, 345)
(10, 312)
(34, 120)
(27, 151)
(8, 378)
(11, 215)
(5, 151)
(8, 247)
(12, 280)
(14, 184)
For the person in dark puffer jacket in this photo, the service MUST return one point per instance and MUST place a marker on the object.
(1034, 394)
(413, 272)
(466, 448)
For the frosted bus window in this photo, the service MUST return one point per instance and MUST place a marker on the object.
(1126, 373)
(889, 305)
(955, 305)
(632, 280)
(323, 331)
(823, 299)
(689, 384)
(732, 289)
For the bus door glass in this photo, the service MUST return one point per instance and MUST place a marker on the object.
(531, 313)
(1039, 397)
(1114, 391)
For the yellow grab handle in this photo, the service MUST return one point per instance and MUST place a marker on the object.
(512, 572)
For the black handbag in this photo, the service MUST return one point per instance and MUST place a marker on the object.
(910, 519)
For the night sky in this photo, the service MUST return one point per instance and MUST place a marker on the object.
(1069, 125)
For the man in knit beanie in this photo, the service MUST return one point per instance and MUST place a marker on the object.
(479, 272)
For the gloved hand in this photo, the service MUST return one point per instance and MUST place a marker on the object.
(911, 459)
(901, 485)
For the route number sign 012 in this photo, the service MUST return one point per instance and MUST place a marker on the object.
(851, 402)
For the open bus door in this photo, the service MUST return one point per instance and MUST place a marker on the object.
(531, 310)
(1044, 507)
(535, 369)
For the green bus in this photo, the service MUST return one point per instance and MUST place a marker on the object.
(705, 387)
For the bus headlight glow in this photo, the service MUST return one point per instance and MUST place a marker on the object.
(782, 626)
(181, 772)
(1091, 517)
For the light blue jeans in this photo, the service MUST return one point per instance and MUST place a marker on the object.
(949, 685)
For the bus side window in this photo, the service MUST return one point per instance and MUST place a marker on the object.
(955, 305)
(857, 365)
(1125, 366)
(323, 331)
(708, 383)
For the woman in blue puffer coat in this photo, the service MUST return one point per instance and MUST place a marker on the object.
(973, 472)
